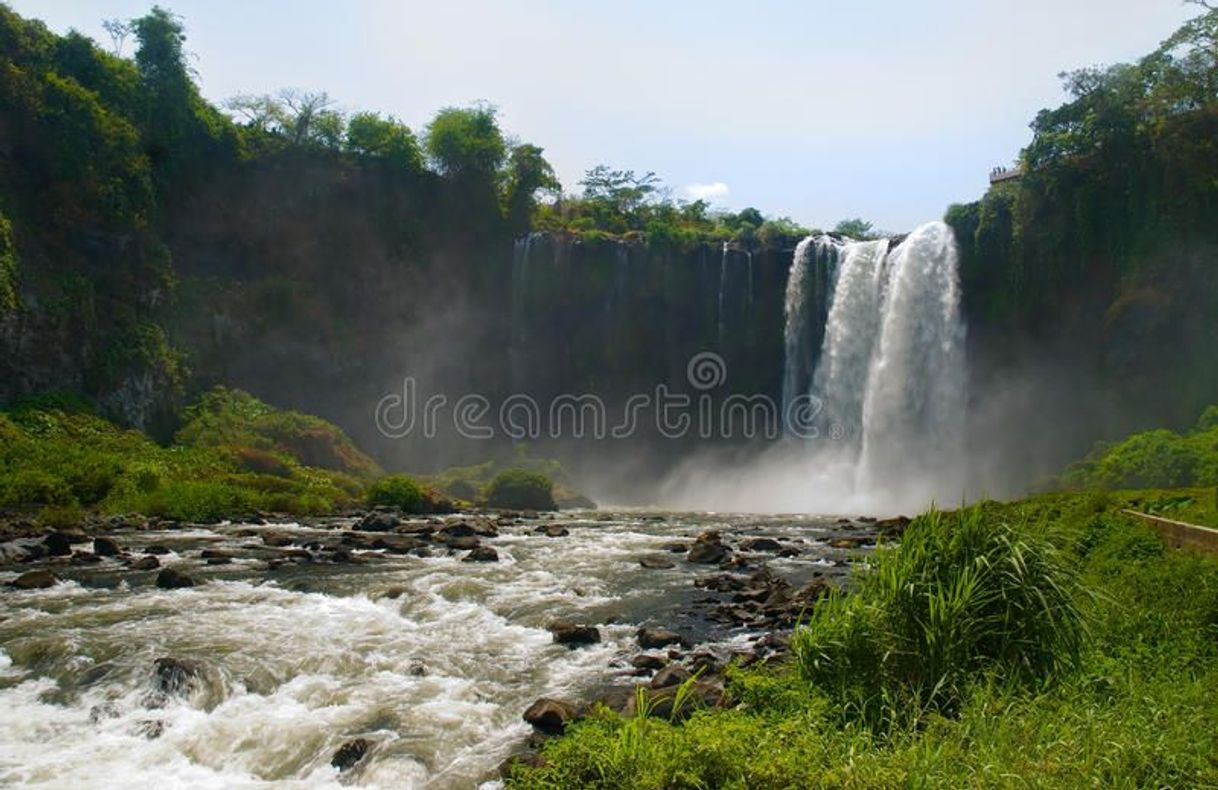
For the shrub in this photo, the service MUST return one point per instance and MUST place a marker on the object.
(398, 491)
(962, 596)
(26, 487)
(520, 489)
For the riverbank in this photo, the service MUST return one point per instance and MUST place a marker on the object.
(1130, 702)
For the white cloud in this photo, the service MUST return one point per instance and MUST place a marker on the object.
(708, 192)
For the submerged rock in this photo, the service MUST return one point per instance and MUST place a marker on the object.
(176, 676)
(550, 716)
(553, 530)
(657, 563)
(571, 634)
(761, 544)
(350, 753)
(34, 580)
(145, 563)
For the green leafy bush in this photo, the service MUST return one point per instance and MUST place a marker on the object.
(520, 489)
(398, 491)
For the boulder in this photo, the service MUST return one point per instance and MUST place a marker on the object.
(652, 638)
(106, 547)
(170, 579)
(847, 543)
(671, 675)
(646, 661)
(463, 544)
(572, 635)
(675, 548)
(761, 544)
(350, 753)
(34, 580)
(553, 530)
(458, 530)
(277, 539)
(708, 549)
(378, 522)
(481, 554)
(657, 563)
(550, 716)
(58, 544)
(158, 549)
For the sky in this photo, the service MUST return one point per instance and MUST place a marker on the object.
(889, 110)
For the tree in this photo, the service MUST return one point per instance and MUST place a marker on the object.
(118, 30)
(856, 228)
(300, 118)
(620, 189)
(465, 143)
(369, 134)
(527, 173)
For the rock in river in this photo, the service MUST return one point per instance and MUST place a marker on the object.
(482, 554)
(549, 716)
(651, 638)
(34, 580)
(170, 579)
(350, 753)
(571, 634)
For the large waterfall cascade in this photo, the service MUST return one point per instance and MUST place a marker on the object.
(890, 373)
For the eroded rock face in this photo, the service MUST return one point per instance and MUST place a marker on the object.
(573, 635)
(550, 716)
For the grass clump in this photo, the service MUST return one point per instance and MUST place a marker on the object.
(964, 596)
(520, 489)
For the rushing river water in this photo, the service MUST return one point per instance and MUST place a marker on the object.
(431, 659)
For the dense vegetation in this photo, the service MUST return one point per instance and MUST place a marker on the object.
(234, 457)
(946, 666)
(1105, 249)
(1153, 459)
(520, 489)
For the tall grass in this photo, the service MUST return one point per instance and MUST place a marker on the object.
(963, 598)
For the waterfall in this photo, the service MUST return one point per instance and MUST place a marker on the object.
(890, 374)
(914, 407)
(809, 285)
(521, 255)
(851, 329)
(722, 291)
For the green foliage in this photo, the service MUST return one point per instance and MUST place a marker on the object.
(963, 597)
(227, 417)
(1136, 711)
(527, 173)
(856, 228)
(520, 489)
(466, 143)
(1153, 459)
(56, 453)
(385, 138)
(399, 491)
(619, 204)
(10, 299)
